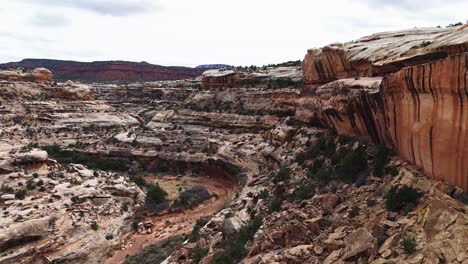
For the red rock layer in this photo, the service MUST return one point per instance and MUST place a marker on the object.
(426, 111)
(420, 111)
(383, 53)
(109, 70)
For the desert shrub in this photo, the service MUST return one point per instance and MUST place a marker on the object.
(409, 245)
(109, 236)
(304, 192)
(155, 194)
(234, 249)
(392, 170)
(156, 253)
(75, 199)
(125, 206)
(324, 175)
(30, 185)
(138, 180)
(351, 165)
(20, 194)
(199, 253)
(371, 202)
(354, 212)
(40, 182)
(191, 197)
(275, 204)
(94, 226)
(6, 189)
(264, 194)
(401, 198)
(195, 234)
(233, 252)
(283, 174)
(381, 158)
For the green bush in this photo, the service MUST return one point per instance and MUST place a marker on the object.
(354, 212)
(283, 174)
(392, 170)
(125, 206)
(304, 192)
(20, 194)
(156, 253)
(199, 253)
(232, 254)
(371, 202)
(351, 165)
(155, 194)
(264, 194)
(234, 250)
(399, 198)
(6, 189)
(409, 245)
(381, 158)
(30, 185)
(138, 180)
(195, 235)
(191, 197)
(94, 226)
(275, 204)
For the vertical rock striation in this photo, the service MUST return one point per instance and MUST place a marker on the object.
(426, 110)
(420, 111)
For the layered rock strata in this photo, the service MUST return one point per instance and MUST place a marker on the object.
(383, 53)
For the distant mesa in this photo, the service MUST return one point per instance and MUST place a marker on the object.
(107, 71)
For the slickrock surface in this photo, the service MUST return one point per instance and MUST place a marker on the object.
(37, 75)
(383, 53)
(273, 77)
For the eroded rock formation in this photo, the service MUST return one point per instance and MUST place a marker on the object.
(383, 53)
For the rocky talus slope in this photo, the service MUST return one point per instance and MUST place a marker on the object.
(337, 172)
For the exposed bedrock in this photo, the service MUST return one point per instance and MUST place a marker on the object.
(382, 53)
(420, 111)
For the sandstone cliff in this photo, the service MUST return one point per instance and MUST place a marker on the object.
(383, 53)
(420, 111)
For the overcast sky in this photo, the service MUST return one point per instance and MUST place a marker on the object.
(193, 32)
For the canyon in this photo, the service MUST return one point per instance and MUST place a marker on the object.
(302, 163)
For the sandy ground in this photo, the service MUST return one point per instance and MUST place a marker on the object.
(177, 223)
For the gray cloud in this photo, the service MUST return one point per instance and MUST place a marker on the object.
(412, 4)
(103, 7)
(49, 20)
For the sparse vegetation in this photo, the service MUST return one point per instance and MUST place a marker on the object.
(156, 253)
(404, 198)
(381, 158)
(282, 174)
(195, 235)
(234, 249)
(354, 212)
(191, 197)
(275, 204)
(155, 194)
(353, 163)
(409, 245)
(20, 194)
(94, 226)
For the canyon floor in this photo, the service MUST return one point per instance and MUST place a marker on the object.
(336, 160)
